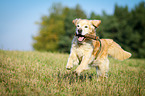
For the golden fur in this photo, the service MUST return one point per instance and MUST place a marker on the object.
(84, 52)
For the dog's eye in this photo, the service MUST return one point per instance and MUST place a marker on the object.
(86, 26)
(78, 26)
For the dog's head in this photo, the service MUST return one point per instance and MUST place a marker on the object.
(84, 27)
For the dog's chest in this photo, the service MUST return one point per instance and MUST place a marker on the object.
(83, 50)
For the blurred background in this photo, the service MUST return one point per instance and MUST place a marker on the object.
(46, 25)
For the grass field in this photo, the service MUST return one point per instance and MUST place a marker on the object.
(43, 73)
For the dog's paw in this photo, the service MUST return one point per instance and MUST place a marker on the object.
(76, 73)
(69, 67)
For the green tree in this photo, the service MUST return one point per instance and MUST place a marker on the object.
(131, 31)
(137, 23)
(50, 28)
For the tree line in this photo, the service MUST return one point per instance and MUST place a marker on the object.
(125, 27)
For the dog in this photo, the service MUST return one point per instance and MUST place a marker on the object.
(86, 52)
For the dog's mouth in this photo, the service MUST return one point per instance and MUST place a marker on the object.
(81, 38)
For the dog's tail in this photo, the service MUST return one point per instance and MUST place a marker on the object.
(116, 51)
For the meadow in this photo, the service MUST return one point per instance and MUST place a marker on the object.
(44, 74)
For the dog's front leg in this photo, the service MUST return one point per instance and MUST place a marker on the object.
(72, 60)
(84, 65)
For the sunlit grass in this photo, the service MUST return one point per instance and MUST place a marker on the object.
(36, 73)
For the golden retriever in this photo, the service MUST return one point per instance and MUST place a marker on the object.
(86, 52)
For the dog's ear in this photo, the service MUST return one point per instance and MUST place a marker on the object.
(96, 23)
(75, 21)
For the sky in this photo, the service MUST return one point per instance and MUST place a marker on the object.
(18, 18)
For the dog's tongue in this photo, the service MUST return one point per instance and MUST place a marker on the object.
(80, 38)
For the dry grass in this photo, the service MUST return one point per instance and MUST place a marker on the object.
(35, 73)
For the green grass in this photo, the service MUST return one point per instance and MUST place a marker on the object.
(36, 73)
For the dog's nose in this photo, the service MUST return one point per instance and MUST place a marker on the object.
(79, 31)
